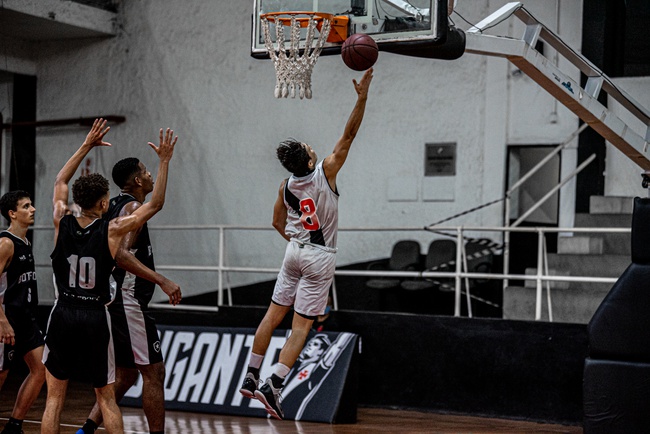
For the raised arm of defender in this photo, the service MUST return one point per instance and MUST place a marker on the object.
(333, 163)
(121, 225)
(61, 190)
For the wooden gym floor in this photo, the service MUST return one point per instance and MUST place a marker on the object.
(370, 420)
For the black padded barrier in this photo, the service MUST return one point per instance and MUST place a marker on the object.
(616, 382)
(616, 397)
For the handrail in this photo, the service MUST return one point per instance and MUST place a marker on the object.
(542, 275)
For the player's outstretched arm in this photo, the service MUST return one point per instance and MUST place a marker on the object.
(280, 213)
(333, 163)
(60, 198)
(122, 225)
(127, 260)
(7, 335)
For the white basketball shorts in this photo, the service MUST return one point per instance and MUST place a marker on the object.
(305, 278)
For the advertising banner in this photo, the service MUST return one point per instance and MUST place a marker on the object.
(205, 367)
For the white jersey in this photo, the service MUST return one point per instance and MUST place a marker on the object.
(312, 209)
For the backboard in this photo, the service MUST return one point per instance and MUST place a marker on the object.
(391, 23)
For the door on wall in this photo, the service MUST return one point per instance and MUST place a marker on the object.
(521, 159)
(523, 245)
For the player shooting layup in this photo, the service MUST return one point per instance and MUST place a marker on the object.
(306, 215)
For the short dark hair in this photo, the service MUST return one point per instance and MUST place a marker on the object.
(124, 170)
(9, 202)
(89, 189)
(293, 156)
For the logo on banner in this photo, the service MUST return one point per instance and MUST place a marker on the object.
(205, 368)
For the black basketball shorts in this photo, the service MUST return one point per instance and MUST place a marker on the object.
(134, 333)
(28, 336)
(78, 344)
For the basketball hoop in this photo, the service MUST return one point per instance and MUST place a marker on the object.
(293, 70)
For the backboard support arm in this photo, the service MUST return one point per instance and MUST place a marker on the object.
(583, 102)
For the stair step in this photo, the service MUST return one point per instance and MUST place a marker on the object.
(590, 265)
(559, 284)
(551, 272)
(583, 220)
(611, 205)
(582, 254)
(569, 305)
(613, 243)
(580, 245)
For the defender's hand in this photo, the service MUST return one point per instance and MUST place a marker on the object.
(7, 335)
(173, 291)
(97, 133)
(166, 148)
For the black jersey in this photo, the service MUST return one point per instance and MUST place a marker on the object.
(82, 263)
(18, 282)
(141, 289)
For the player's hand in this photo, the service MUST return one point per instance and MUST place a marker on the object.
(167, 143)
(97, 133)
(7, 335)
(362, 86)
(173, 291)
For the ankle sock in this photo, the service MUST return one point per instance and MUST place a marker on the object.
(17, 422)
(13, 426)
(254, 371)
(276, 381)
(89, 427)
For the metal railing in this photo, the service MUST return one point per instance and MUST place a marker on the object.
(460, 275)
(548, 195)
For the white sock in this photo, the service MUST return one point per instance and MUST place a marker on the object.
(281, 370)
(255, 361)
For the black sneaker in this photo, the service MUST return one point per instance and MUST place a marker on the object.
(249, 386)
(270, 397)
(12, 429)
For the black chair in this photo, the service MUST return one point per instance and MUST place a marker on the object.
(441, 256)
(405, 256)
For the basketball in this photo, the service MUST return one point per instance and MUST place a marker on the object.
(359, 52)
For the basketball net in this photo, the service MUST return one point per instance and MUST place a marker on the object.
(293, 70)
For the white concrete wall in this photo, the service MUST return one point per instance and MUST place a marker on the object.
(186, 65)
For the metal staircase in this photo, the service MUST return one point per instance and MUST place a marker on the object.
(583, 102)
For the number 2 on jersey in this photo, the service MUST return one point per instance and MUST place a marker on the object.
(308, 218)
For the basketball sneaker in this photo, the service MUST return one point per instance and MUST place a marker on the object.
(12, 428)
(270, 397)
(249, 387)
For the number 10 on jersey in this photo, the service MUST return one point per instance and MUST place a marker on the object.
(84, 269)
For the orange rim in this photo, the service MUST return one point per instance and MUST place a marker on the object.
(285, 17)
